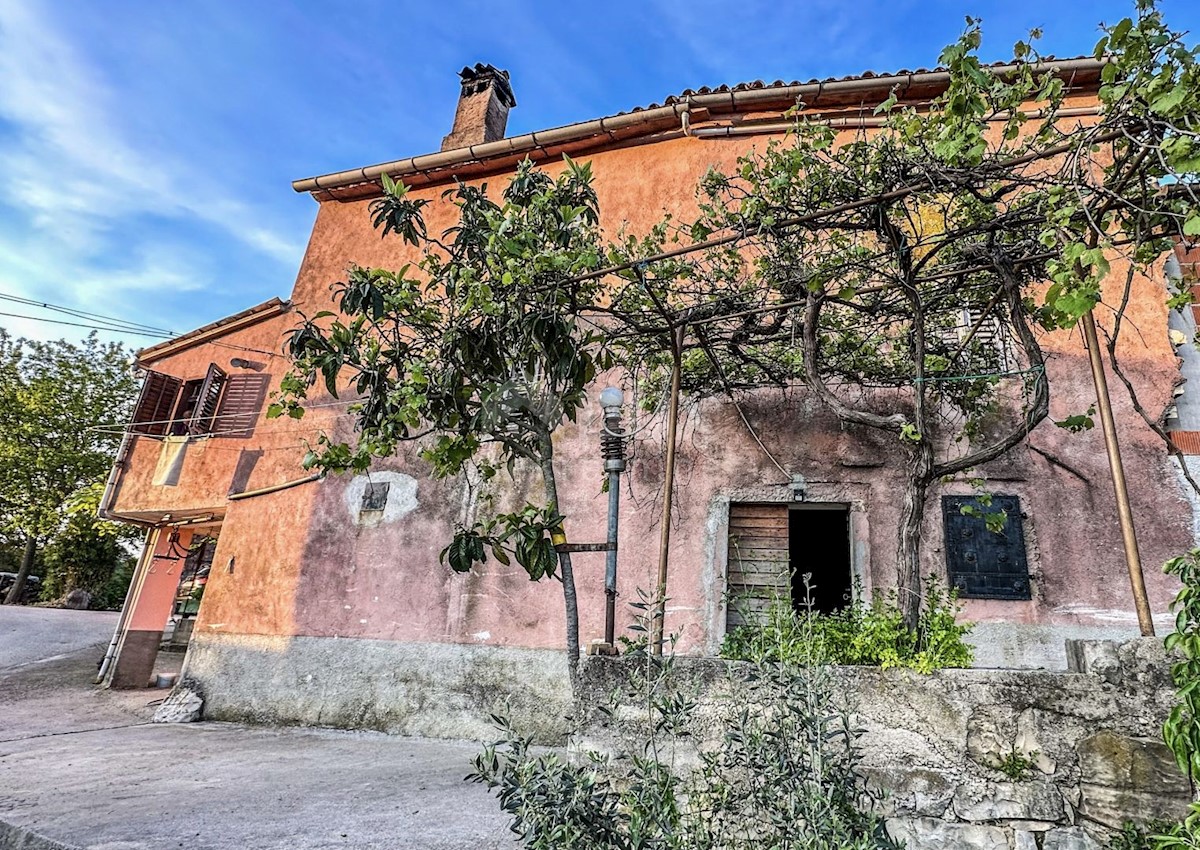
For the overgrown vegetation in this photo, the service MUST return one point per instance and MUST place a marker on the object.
(782, 775)
(61, 406)
(1150, 835)
(1181, 732)
(1017, 766)
(869, 634)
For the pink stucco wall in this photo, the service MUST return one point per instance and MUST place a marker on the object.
(305, 565)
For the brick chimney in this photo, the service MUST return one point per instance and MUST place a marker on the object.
(482, 107)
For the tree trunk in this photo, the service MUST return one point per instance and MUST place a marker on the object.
(14, 592)
(566, 574)
(908, 547)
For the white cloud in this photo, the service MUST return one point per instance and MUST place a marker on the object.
(75, 186)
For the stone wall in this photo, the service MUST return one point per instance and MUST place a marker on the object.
(1089, 742)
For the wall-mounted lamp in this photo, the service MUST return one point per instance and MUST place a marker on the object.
(243, 363)
(612, 447)
(612, 441)
(799, 487)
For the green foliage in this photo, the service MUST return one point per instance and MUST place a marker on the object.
(53, 398)
(85, 555)
(1181, 731)
(526, 535)
(782, 776)
(476, 350)
(1182, 728)
(1151, 835)
(1080, 421)
(1017, 766)
(869, 634)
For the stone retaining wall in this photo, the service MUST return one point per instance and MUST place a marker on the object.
(934, 744)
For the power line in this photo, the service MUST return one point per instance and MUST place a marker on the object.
(91, 327)
(83, 314)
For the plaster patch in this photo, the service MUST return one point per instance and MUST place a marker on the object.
(401, 497)
(482, 636)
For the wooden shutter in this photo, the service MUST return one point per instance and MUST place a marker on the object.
(759, 572)
(153, 411)
(208, 401)
(240, 405)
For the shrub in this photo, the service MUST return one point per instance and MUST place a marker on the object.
(871, 634)
(783, 775)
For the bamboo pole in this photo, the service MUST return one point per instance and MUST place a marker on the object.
(1133, 560)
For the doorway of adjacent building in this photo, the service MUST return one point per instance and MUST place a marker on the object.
(773, 547)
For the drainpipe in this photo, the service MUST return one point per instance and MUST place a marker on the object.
(110, 485)
(274, 488)
(134, 581)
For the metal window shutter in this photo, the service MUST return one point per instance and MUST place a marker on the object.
(210, 398)
(985, 564)
(240, 405)
(152, 413)
(759, 571)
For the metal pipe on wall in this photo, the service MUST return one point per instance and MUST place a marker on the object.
(134, 581)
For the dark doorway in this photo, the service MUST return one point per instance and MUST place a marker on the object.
(819, 545)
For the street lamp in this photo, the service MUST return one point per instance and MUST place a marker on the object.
(612, 448)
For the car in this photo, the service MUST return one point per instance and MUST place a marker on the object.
(33, 587)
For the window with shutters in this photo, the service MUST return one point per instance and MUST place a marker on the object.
(772, 547)
(985, 564)
(218, 404)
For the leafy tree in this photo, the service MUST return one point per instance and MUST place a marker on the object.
(84, 556)
(53, 395)
(476, 348)
(891, 274)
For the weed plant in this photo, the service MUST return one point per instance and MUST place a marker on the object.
(781, 775)
(867, 634)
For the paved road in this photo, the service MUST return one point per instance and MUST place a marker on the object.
(35, 635)
(83, 768)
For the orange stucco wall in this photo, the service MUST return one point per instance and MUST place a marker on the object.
(155, 592)
(305, 565)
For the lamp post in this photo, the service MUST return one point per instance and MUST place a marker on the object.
(612, 447)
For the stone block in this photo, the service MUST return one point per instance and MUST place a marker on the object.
(912, 790)
(184, 705)
(1098, 657)
(1041, 801)
(931, 834)
(1129, 778)
(1069, 838)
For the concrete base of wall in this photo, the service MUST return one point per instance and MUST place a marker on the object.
(1019, 646)
(431, 689)
(135, 663)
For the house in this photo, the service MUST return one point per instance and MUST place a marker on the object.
(324, 601)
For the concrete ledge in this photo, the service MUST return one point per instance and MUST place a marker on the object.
(429, 689)
(13, 837)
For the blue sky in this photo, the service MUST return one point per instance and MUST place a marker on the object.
(146, 148)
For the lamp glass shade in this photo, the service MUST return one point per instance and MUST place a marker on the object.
(611, 397)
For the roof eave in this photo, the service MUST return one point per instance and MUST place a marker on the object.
(699, 106)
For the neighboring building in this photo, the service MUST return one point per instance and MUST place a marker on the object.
(325, 602)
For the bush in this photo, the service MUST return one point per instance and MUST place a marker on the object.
(783, 775)
(1151, 835)
(87, 556)
(871, 634)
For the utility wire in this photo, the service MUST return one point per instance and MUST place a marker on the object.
(83, 314)
(92, 327)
